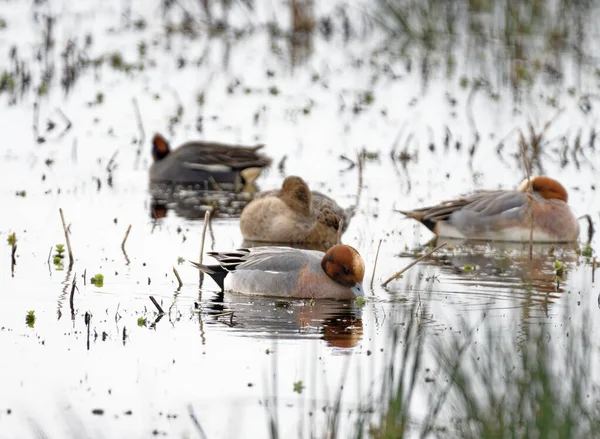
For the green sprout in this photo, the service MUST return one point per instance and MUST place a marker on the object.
(587, 251)
(559, 270)
(58, 257)
(468, 267)
(30, 318)
(12, 239)
(298, 387)
(360, 301)
(98, 280)
(141, 322)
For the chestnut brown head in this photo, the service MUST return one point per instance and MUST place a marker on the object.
(547, 187)
(296, 194)
(160, 147)
(344, 265)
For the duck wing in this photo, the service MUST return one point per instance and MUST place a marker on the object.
(330, 213)
(211, 154)
(483, 206)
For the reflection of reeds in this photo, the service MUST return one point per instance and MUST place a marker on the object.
(489, 382)
(527, 38)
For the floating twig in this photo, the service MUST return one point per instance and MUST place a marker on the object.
(13, 259)
(36, 119)
(206, 221)
(591, 229)
(214, 183)
(196, 422)
(66, 120)
(178, 278)
(62, 217)
(226, 314)
(123, 244)
(375, 264)
(88, 321)
(156, 304)
(72, 296)
(413, 263)
(360, 158)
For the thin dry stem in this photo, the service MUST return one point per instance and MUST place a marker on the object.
(62, 217)
(206, 221)
(125, 239)
(375, 264)
(416, 261)
(340, 231)
(529, 193)
(156, 304)
(140, 125)
(178, 278)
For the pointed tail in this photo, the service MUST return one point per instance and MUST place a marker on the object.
(217, 273)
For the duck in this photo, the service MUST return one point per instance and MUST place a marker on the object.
(289, 272)
(505, 215)
(197, 162)
(294, 214)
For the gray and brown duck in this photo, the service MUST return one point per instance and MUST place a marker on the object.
(200, 162)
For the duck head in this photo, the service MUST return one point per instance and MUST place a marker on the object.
(160, 147)
(345, 266)
(545, 186)
(296, 194)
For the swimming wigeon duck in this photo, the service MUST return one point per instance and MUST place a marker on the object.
(195, 162)
(505, 215)
(289, 272)
(293, 214)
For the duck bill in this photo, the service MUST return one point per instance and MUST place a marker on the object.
(358, 290)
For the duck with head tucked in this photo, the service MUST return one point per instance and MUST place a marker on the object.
(540, 204)
(289, 272)
(294, 214)
(197, 162)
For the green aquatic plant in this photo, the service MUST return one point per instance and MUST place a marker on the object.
(58, 257)
(12, 239)
(30, 318)
(142, 322)
(180, 260)
(298, 386)
(98, 280)
(559, 270)
(360, 301)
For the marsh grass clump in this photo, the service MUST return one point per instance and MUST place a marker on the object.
(535, 385)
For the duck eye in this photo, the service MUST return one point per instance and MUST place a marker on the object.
(346, 270)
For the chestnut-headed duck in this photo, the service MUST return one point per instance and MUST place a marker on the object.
(505, 215)
(289, 272)
(293, 214)
(196, 162)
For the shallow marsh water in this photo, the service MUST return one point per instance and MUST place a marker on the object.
(352, 91)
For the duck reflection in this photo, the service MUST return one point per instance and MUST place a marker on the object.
(191, 202)
(508, 267)
(337, 323)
